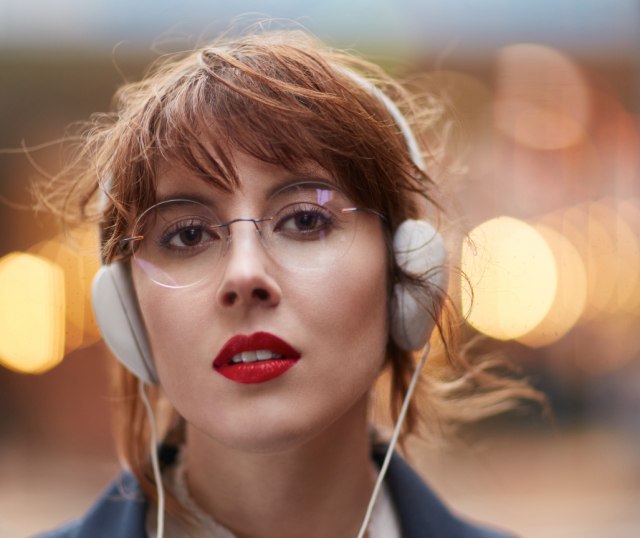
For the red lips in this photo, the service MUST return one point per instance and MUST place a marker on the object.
(259, 371)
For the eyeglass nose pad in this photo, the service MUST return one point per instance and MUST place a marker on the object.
(256, 224)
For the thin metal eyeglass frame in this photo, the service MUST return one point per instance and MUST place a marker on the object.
(123, 243)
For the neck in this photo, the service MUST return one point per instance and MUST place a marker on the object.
(315, 489)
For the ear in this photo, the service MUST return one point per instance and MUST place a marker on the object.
(419, 250)
(118, 316)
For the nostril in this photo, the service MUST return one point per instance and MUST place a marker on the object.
(261, 294)
(258, 294)
(230, 298)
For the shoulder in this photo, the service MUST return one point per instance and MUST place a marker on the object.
(421, 513)
(119, 511)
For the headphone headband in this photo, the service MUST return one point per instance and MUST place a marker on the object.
(410, 140)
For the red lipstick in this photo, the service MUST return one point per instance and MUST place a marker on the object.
(255, 358)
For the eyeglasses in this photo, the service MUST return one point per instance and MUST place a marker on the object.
(177, 243)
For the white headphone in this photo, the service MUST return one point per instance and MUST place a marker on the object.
(418, 248)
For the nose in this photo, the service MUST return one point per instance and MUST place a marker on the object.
(246, 281)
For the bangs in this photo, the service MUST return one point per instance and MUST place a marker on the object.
(203, 125)
(281, 106)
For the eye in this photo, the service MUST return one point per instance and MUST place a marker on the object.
(304, 220)
(189, 236)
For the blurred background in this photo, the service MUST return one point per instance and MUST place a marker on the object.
(545, 98)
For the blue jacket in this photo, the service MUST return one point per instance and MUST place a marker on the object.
(121, 510)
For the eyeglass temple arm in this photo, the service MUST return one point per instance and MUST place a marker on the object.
(123, 243)
(367, 209)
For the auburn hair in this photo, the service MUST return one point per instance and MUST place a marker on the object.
(283, 98)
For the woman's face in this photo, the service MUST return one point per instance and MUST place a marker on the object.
(325, 325)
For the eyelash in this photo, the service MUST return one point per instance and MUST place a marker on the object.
(325, 222)
(177, 228)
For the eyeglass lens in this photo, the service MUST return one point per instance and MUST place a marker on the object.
(184, 240)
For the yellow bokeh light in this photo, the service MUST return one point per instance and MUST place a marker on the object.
(601, 261)
(571, 295)
(57, 252)
(611, 249)
(32, 313)
(77, 255)
(513, 276)
(621, 218)
(629, 249)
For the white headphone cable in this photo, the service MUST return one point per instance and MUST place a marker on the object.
(153, 449)
(392, 443)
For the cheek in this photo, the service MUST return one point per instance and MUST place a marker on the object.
(174, 322)
(354, 300)
(345, 311)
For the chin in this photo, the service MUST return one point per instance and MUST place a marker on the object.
(279, 430)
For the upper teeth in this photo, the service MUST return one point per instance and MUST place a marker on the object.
(253, 356)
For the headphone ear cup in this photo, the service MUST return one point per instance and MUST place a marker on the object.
(419, 250)
(117, 315)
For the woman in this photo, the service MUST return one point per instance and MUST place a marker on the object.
(262, 267)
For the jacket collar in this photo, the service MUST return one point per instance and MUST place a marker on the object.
(421, 513)
(121, 510)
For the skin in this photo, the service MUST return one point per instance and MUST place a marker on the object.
(289, 457)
